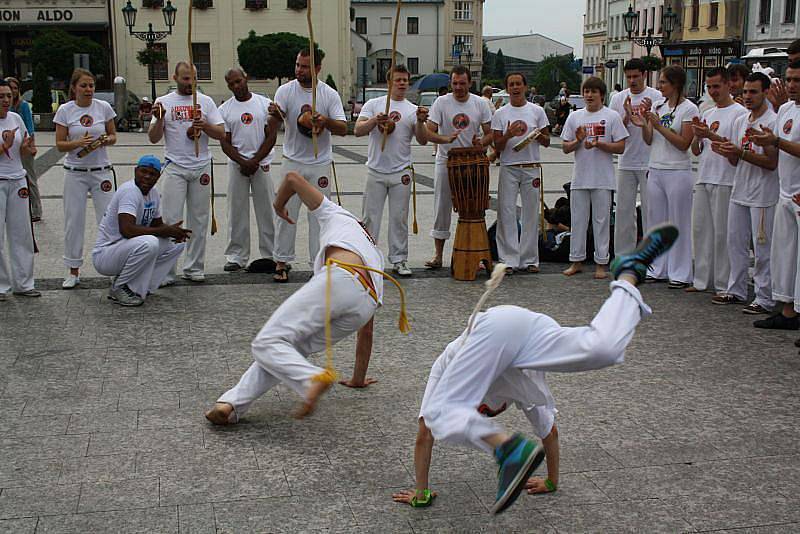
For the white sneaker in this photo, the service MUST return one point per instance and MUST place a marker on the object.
(168, 281)
(198, 278)
(124, 296)
(402, 269)
(71, 281)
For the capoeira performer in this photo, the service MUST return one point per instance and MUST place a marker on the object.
(390, 171)
(519, 128)
(502, 358)
(249, 159)
(785, 251)
(469, 116)
(292, 106)
(778, 94)
(632, 167)
(347, 278)
(187, 177)
(753, 199)
(667, 128)
(712, 192)
(84, 127)
(593, 133)
(134, 246)
(15, 216)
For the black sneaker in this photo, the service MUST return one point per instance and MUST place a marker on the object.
(232, 267)
(675, 284)
(655, 243)
(778, 321)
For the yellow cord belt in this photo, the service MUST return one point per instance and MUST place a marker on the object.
(328, 376)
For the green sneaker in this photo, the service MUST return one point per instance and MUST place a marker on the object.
(655, 243)
(517, 458)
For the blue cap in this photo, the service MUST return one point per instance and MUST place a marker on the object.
(150, 161)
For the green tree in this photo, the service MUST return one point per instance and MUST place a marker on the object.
(487, 69)
(499, 65)
(652, 63)
(552, 71)
(53, 50)
(271, 56)
(150, 56)
(42, 101)
(329, 81)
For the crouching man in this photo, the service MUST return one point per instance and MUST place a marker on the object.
(134, 246)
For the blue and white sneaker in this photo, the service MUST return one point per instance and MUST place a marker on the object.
(517, 458)
(655, 243)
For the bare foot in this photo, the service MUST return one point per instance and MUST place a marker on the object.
(573, 269)
(692, 289)
(316, 391)
(220, 414)
(600, 272)
(434, 263)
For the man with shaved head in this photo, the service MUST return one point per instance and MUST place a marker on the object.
(247, 143)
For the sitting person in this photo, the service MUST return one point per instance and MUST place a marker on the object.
(133, 243)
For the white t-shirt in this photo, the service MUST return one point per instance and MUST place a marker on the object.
(294, 100)
(663, 154)
(594, 169)
(128, 199)
(714, 168)
(451, 115)
(13, 132)
(753, 185)
(396, 155)
(637, 153)
(340, 228)
(533, 117)
(78, 121)
(178, 148)
(246, 122)
(788, 124)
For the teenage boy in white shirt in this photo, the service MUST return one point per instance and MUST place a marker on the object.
(593, 133)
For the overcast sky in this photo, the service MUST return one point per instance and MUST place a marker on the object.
(561, 20)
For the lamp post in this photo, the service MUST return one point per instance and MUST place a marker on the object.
(150, 36)
(631, 22)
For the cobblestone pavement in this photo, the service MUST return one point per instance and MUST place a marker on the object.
(102, 427)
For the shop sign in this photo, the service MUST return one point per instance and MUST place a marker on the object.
(77, 15)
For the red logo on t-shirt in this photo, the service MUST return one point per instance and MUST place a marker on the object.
(461, 121)
(395, 116)
(520, 124)
(184, 113)
(536, 183)
(23, 192)
(406, 179)
(322, 182)
(747, 144)
(105, 186)
(247, 118)
(86, 121)
(595, 129)
(787, 126)
(305, 108)
(714, 126)
(205, 179)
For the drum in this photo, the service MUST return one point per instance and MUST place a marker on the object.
(468, 175)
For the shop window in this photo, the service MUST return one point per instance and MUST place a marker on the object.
(361, 25)
(790, 14)
(713, 15)
(201, 54)
(412, 25)
(413, 65)
(160, 71)
(764, 9)
(695, 14)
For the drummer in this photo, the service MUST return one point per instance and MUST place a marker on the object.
(470, 116)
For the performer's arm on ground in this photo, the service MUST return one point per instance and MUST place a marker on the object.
(363, 353)
(422, 465)
(129, 229)
(296, 184)
(552, 453)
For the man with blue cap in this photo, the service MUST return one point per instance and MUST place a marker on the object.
(134, 246)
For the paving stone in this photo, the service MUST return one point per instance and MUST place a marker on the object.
(14, 425)
(25, 525)
(98, 468)
(39, 500)
(102, 422)
(162, 520)
(178, 440)
(283, 514)
(29, 472)
(197, 519)
(118, 495)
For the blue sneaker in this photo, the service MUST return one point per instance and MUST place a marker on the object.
(518, 458)
(655, 243)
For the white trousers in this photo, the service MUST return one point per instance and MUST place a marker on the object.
(239, 189)
(744, 226)
(188, 190)
(629, 184)
(495, 345)
(320, 177)
(15, 222)
(580, 201)
(142, 262)
(442, 202)
(397, 188)
(785, 253)
(297, 329)
(514, 249)
(669, 198)
(76, 185)
(710, 236)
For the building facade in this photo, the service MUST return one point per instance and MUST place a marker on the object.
(463, 29)
(217, 32)
(595, 27)
(532, 47)
(620, 48)
(771, 24)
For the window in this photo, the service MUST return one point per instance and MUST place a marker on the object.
(713, 15)
(202, 4)
(790, 14)
(695, 14)
(255, 4)
(153, 3)
(463, 11)
(643, 23)
(386, 24)
(413, 65)
(201, 54)
(653, 19)
(412, 25)
(764, 10)
(160, 71)
(462, 43)
(361, 25)
(660, 17)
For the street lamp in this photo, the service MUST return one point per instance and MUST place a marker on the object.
(630, 21)
(150, 36)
